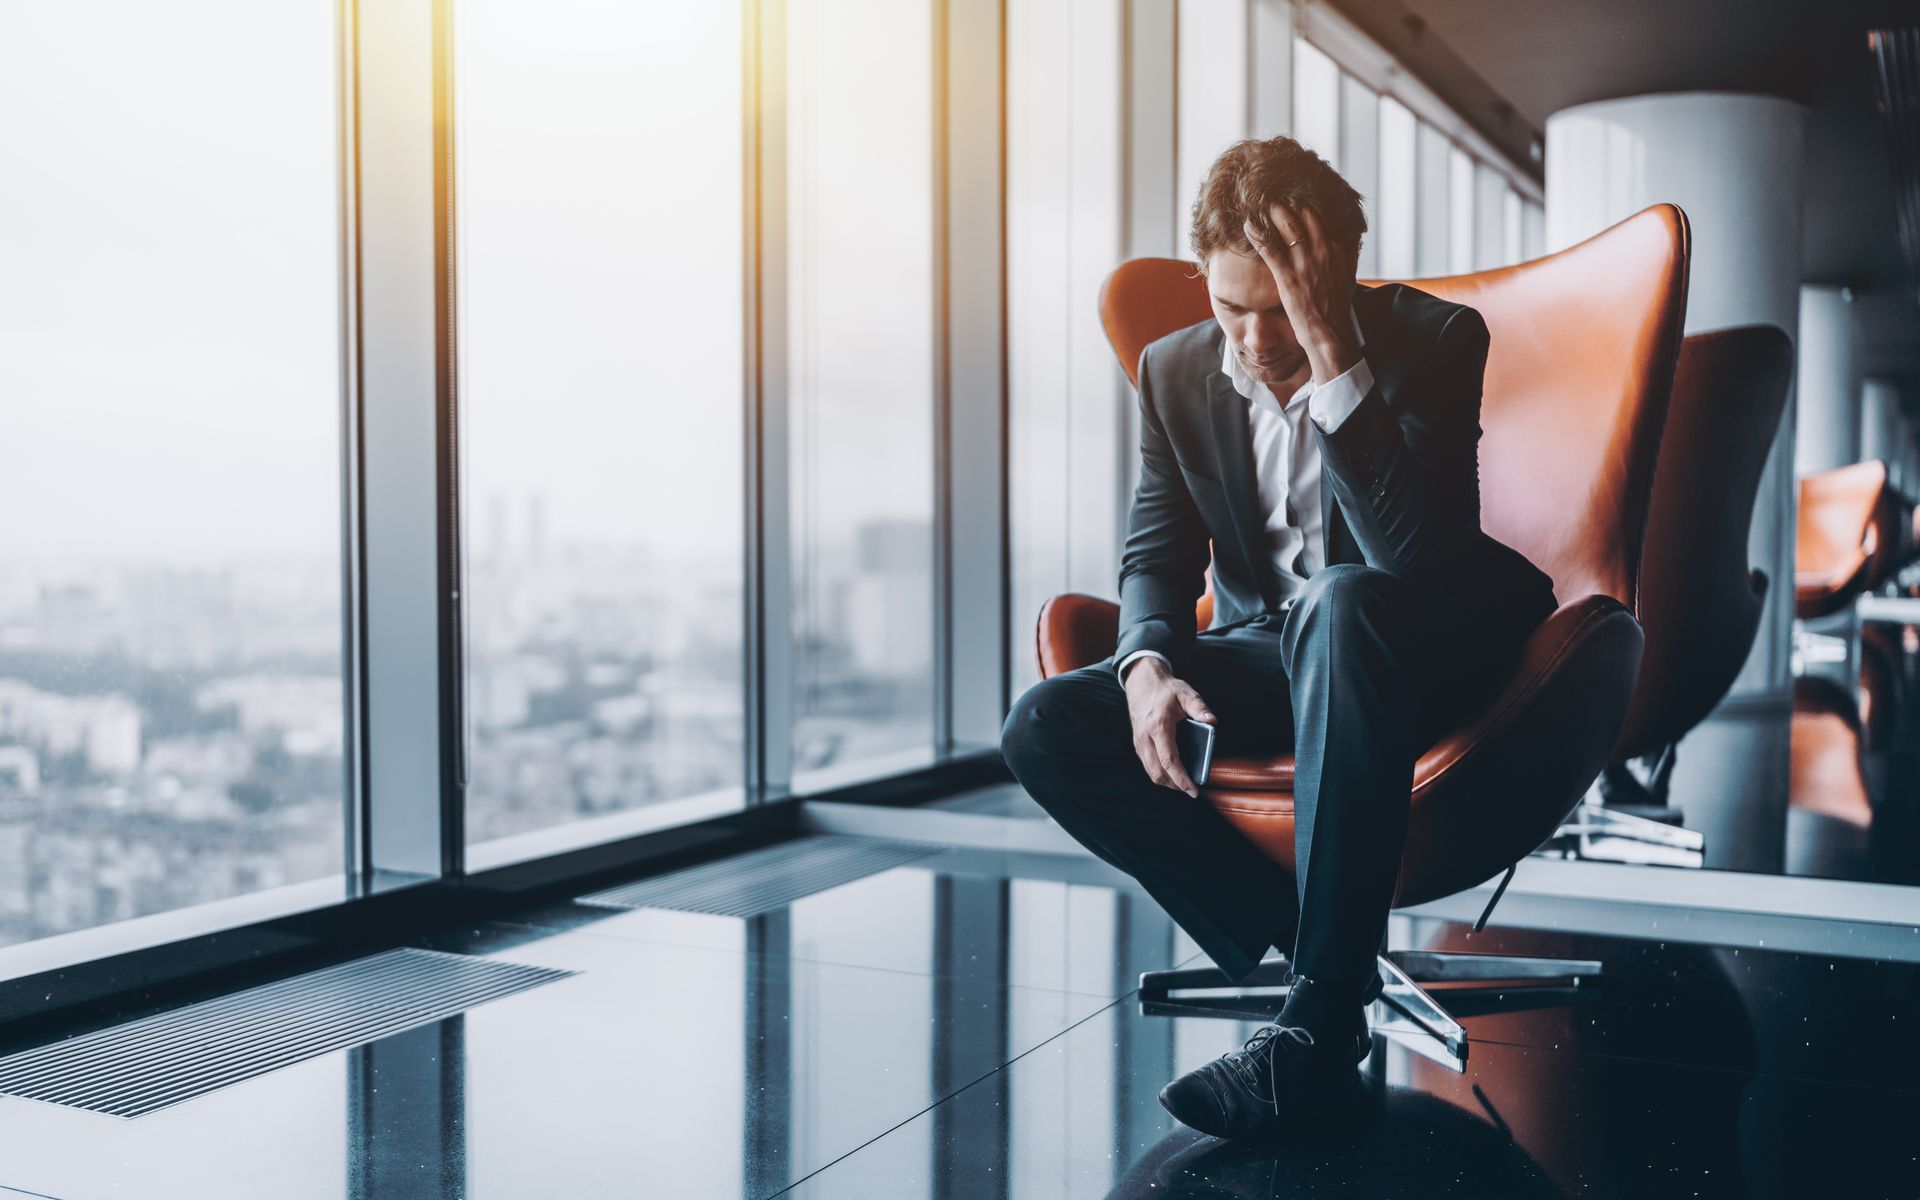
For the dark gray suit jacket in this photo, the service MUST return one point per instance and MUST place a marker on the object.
(1400, 482)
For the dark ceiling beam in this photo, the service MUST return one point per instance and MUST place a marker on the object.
(1896, 56)
(1406, 36)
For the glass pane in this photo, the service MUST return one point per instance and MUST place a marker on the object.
(1360, 161)
(860, 378)
(1511, 233)
(1489, 214)
(601, 386)
(1436, 189)
(1066, 412)
(1460, 210)
(1316, 101)
(171, 719)
(1211, 64)
(1397, 212)
(1533, 238)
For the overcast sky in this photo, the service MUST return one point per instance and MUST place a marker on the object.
(169, 333)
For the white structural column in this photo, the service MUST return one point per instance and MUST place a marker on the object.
(1827, 426)
(1733, 163)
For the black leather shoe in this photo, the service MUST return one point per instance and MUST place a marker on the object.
(1279, 1077)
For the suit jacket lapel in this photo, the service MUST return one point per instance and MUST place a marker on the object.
(1233, 465)
(1340, 546)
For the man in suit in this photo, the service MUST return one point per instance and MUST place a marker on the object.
(1323, 437)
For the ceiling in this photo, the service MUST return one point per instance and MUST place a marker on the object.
(1540, 56)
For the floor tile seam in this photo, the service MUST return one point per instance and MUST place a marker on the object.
(965, 1087)
(1663, 1062)
(1103, 997)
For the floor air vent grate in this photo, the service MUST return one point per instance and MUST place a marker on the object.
(748, 885)
(146, 1065)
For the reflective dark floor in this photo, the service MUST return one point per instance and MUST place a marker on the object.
(965, 1027)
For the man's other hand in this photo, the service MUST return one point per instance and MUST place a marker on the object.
(1158, 701)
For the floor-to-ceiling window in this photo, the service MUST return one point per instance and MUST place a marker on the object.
(600, 316)
(1460, 225)
(171, 702)
(859, 231)
(1360, 162)
(1316, 102)
(1066, 396)
(1397, 216)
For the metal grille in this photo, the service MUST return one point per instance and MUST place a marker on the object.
(747, 885)
(143, 1066)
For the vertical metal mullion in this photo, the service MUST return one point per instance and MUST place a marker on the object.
(768, 646)
(357, 850)
(752, 742)
(1003, 374)
(971, 391)
(943, 675)
(451, 560)
(402, 355)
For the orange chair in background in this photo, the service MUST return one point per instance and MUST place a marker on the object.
(1855, 532)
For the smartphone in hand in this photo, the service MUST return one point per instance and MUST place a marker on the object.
(1194, 742)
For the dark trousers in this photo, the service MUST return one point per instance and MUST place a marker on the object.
(1357, 674)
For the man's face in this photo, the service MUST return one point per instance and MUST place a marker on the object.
(1246, 302)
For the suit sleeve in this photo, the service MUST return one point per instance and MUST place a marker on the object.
(1407, 477)
(1164, 561)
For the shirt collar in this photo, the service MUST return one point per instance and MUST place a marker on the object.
(1247, 386)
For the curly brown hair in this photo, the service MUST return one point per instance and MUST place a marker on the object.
(1254, 173)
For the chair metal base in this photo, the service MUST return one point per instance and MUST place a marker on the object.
(1493, 982)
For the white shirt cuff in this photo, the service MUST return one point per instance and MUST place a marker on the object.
(1331, 403)
(1128, 661)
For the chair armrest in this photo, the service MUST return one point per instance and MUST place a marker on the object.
(1495, 786)
(1074, 631)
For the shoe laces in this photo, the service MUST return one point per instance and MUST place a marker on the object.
(1262, 1040)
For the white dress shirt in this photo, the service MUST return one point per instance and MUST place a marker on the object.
(1286, 461)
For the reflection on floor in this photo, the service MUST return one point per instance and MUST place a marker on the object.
(1828, 788)
(964, 1026)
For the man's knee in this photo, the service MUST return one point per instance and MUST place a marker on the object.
(1054, 720)
(1351, 585)
(1352, 590)
(1033, 725)
(1348, 600)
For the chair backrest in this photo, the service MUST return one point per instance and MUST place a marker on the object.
(1700, 599)
(1578, 373)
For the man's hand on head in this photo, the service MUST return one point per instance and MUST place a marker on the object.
(1315, 277)
(1157, 701)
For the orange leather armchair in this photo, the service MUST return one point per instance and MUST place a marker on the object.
(1583, 350)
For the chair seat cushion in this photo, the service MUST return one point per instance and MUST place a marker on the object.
(1497, 783)
(1261, 773)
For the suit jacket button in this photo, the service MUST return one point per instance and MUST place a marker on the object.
(1379, 489)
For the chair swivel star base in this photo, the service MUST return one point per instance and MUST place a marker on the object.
(1502, 978)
